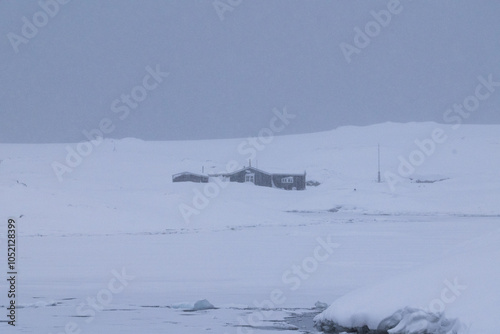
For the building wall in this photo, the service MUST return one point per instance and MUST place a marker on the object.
(261, 179)
(299, 181)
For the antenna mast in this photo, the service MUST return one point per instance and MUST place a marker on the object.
(378, 154)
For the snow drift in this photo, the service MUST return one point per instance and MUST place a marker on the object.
(457, 294)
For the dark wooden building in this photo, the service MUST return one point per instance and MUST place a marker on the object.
(289, 181)
(189, 177)
(265, 179)
(250, 175)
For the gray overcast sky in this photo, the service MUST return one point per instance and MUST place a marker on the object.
(226, 76)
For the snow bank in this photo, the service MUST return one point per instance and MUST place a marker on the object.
(457, 294)
(197, 306)
(410, 320)
(406, 321)
(202, 305)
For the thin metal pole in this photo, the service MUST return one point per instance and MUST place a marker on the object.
(378, 151)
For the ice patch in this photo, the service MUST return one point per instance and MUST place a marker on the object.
(38, 304)
(183, 306)
(320, 305)
(429, 178)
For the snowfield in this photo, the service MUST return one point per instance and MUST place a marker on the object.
(113, 249)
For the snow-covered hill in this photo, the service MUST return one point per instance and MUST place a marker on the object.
(114, 205)
(128, 177)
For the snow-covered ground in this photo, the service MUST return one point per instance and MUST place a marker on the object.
(108, 249)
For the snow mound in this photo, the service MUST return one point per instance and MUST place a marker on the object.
(463, 284)
(203, 305)
(197, 306)
(405, 321)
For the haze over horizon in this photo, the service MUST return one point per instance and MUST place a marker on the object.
(230, 66)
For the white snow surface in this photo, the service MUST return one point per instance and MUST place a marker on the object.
(258, 254)
(462, 285)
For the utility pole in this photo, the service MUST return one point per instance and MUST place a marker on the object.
(378, 151)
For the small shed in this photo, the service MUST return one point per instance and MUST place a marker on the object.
(189, 177)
